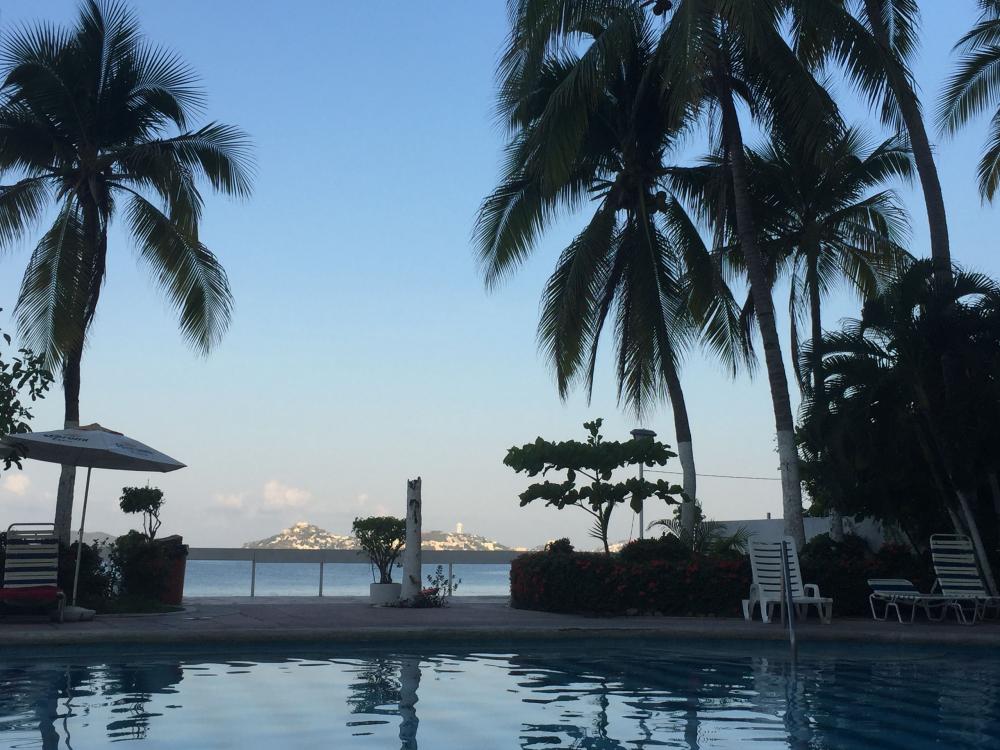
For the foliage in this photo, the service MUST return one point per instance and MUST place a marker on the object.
(22, 376)
(98, 121)
(97, 582)
(146, 500)
(595, 460)
(842, 569)
(972, 89)
(559, 546)
(588, 582)
(382, 537)
(590, 130)
(896, 445)
(142, 565)
(435, 595)
(665, 548)
(705, 537)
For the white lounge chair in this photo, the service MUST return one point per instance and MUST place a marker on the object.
(891, 592)
(958, 574)
(766, 589)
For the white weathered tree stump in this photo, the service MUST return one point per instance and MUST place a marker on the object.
(411, 553)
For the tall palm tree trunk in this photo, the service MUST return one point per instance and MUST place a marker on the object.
(760, 291)
(977, 540)
(685, 449)
(930, 184)
(95, 231)
(818, 385)
(71, 418)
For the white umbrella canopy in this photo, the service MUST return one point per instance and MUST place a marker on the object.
(92, 446)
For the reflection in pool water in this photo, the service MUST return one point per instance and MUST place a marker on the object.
(570, 694)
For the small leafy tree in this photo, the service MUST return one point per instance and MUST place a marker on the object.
(595, 460)
(146, 500)
(382, 537)
(21, 376)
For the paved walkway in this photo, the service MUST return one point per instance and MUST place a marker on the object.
(271, 619)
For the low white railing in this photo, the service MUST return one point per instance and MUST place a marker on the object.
(323, 557)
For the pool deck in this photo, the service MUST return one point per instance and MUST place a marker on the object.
(345, 619)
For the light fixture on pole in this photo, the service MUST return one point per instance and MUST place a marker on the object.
(643, 434)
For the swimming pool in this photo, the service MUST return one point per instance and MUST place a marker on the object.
(565, 694)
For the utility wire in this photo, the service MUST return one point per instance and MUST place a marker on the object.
(717, 476)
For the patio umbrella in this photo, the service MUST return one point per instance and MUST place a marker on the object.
(95, 447)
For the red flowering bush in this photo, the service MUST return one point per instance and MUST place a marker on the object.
(608, 584)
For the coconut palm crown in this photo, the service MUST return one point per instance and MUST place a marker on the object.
(96, 126)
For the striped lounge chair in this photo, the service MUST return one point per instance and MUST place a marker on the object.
(31, 568)
(891, 592)
(957, 572)
(766, 589)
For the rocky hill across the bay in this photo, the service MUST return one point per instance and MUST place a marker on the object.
(304, 535)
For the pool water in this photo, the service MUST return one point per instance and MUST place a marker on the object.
(566, 694)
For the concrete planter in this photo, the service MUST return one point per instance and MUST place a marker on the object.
(384, 593)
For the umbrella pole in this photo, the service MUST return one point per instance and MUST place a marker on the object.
(79, 541)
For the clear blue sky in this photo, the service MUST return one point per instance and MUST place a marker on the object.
(364, 349)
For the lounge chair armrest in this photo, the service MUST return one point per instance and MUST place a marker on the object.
(811, 589)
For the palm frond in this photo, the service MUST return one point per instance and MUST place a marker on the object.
(190, 275)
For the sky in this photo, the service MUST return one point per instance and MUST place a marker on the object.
(364, 349)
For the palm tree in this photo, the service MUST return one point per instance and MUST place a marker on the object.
(823, 216)
(713, 55)
(875, 41)
(95, 120)
(882, 373)
(589, 126)
(972, 89)
(710, 54)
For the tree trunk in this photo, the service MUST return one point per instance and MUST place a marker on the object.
(412, 571)
(836, 525)
(818, 385)
(67, 477)
(95, 230)
(977, 541)
(760, 291)
(995, 492)
(685, 449)
(909, 108)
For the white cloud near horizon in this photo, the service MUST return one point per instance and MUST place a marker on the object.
(16, 484)
(231, 500)
(279, 496)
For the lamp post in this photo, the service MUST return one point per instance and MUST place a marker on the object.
(644, 434)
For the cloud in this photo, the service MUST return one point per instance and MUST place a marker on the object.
(278, 496)
(361, 500)
(16, 483)
(232, 500)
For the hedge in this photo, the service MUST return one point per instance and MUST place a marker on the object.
(654, 577)
(842, 571)
(607, 584)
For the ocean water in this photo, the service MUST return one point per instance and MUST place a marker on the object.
(232, 578)
(588, 695)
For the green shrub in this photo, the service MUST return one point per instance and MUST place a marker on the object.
(608, 584)
(842, 569)
(142, 565)
(382, 537)
(559, 546)
(666, 548)
(97, 580)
